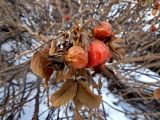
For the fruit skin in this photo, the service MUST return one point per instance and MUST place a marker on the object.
(156, 4)
(102, 31)
(153, 28)
(67, 17)
(98, 53)
(77, 57)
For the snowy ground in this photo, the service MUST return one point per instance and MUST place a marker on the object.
(113, 111)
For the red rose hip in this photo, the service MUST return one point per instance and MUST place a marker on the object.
(67, 17)
(102, 31)
(98, 53)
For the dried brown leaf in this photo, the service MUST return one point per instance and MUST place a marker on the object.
(64, 94)
(117, 39)
(121, 52)
(85, 96)
(155, 12)
(59, 76)
(78, 116)
(156, 94)
(85, 41)
(69, 73)
(88, 77)
(65, 74)
(117, 47)
(39, 63)
(53, 48)
(77, 103)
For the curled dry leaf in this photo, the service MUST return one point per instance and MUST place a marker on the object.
(117, 47)
(156, 94)
(64, 94)
(86, 97)
(39, 63)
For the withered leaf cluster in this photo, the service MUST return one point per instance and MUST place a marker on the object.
(77, 91)
(76, 82)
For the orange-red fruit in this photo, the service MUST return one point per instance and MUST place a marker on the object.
(77, 57)
(67, 17)
(102, 31)
(156, 4)
(98, 53)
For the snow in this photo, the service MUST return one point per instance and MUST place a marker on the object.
(114, 108)
(28, 111)
(7, 46)
(113, 114)
(111, 109)
(139, 73)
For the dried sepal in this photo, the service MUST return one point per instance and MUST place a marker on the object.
(117, 47)
(156, 94)
(66, 93)
(85, 96)
(39, 63)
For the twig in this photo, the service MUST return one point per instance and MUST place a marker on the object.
(37, 47)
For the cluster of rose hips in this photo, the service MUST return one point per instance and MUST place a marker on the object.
(68, 56)
(98, 51)
(79, 48)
